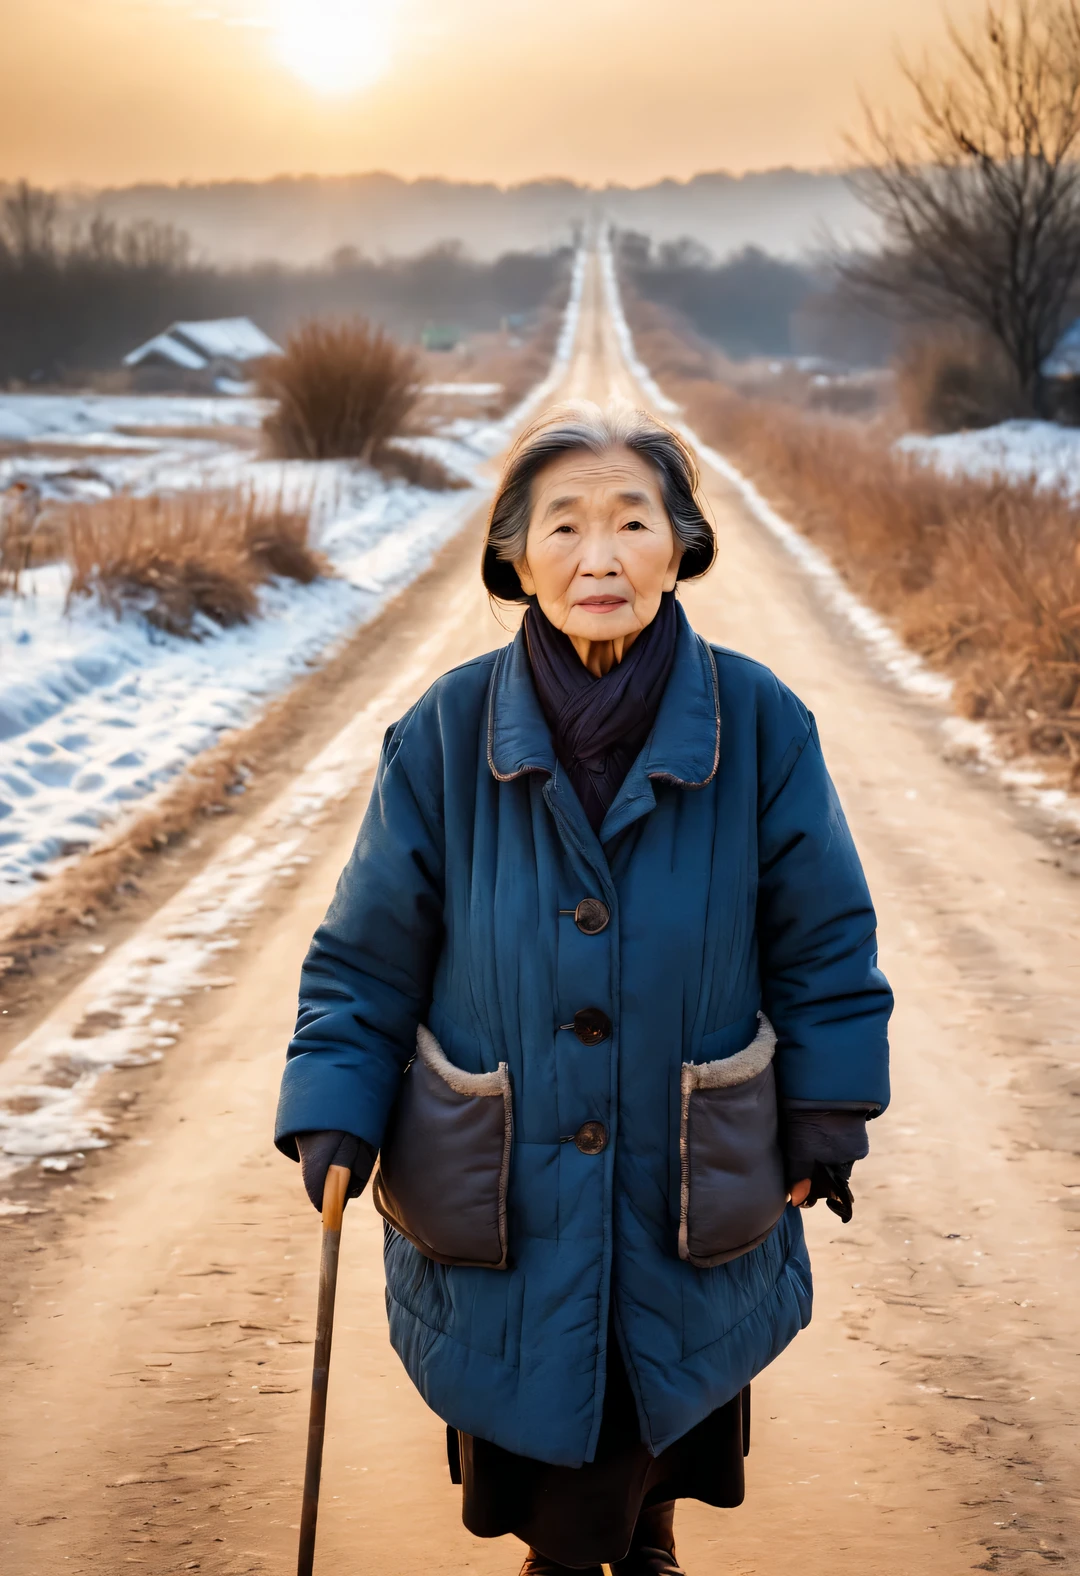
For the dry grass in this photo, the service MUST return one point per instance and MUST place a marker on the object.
(183, 559)
(342, 389)
(519, 365)
(214, 432)
(512, 362)
(955, 379)
(417, 468)
(675, 352)
(982, 577)
(30, 533)
(669, 347)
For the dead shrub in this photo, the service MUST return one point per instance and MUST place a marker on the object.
(173, 596)
(955, 379)
(30, 533)
(277, 540)
(342, 389)
(184, 558)
(980, 575)
(854, 394)
(417, 468)
(1008, 581)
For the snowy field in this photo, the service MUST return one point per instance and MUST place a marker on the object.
(1018, 450)
(96, 712)
(128, 443)
(97, 417)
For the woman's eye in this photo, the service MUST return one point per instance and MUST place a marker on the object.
(564, 530)
(635, 525)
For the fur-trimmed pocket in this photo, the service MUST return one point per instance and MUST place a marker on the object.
(733, 1190)
(444, 1166)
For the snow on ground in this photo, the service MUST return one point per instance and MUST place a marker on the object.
(93, 445)
(1038, 451)
(96, 712)
(86, 417)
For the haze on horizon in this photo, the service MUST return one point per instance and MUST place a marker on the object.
(111, 92)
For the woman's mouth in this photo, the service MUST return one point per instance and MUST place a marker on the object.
(602, 604)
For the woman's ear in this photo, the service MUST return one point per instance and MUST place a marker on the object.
(528, 584)
(671, 573)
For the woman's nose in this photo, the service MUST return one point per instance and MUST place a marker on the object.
(598, 558)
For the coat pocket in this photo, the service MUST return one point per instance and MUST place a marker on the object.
(444, 1167)
(733, 1190)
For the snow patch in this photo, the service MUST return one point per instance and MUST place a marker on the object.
(465, 390)
(1037, 451)
(40, 417)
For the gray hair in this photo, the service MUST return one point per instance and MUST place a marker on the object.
(582, 426)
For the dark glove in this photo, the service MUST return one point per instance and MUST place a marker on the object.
(831, 1182)
(320, 1151)
(823, 1146)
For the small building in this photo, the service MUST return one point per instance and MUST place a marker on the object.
(1061, 377)
(440, 336)
(218, 354)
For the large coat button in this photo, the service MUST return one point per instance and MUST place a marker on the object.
(592, 916)
(591, 1025)
(591, 1138)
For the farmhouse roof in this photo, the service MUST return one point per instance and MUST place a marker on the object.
(1064, 360)
(194, 345)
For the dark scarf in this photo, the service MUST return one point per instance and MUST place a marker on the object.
(598, 726)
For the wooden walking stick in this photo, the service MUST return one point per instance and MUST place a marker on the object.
(333, 1208)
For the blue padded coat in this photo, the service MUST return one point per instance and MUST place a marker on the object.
(733, 886)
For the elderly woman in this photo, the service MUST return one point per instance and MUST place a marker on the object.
(599, 985)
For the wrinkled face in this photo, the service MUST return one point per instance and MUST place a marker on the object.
(600, 551)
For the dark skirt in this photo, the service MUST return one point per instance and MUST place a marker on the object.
(581, 1516)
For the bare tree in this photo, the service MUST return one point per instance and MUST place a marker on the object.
(28, 223)
(980, 196)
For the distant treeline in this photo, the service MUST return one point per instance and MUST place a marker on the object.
(753, 304)
(76, 300)
(301, 219)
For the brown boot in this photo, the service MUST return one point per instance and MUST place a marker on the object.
(652, 1550)
(539, 1565)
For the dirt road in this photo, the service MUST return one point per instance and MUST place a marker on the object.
(155, 1345)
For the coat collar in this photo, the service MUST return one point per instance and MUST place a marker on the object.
(683, 747)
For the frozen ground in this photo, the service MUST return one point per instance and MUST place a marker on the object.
(93, 445)
(87, 417)
(95, 712)
(1028, 450)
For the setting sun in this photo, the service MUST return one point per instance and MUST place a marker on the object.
(335, 46)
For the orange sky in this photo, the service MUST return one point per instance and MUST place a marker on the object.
(114, 91)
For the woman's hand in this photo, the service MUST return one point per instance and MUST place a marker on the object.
(320, 1151)
(820, 1149)
(830, 1182)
